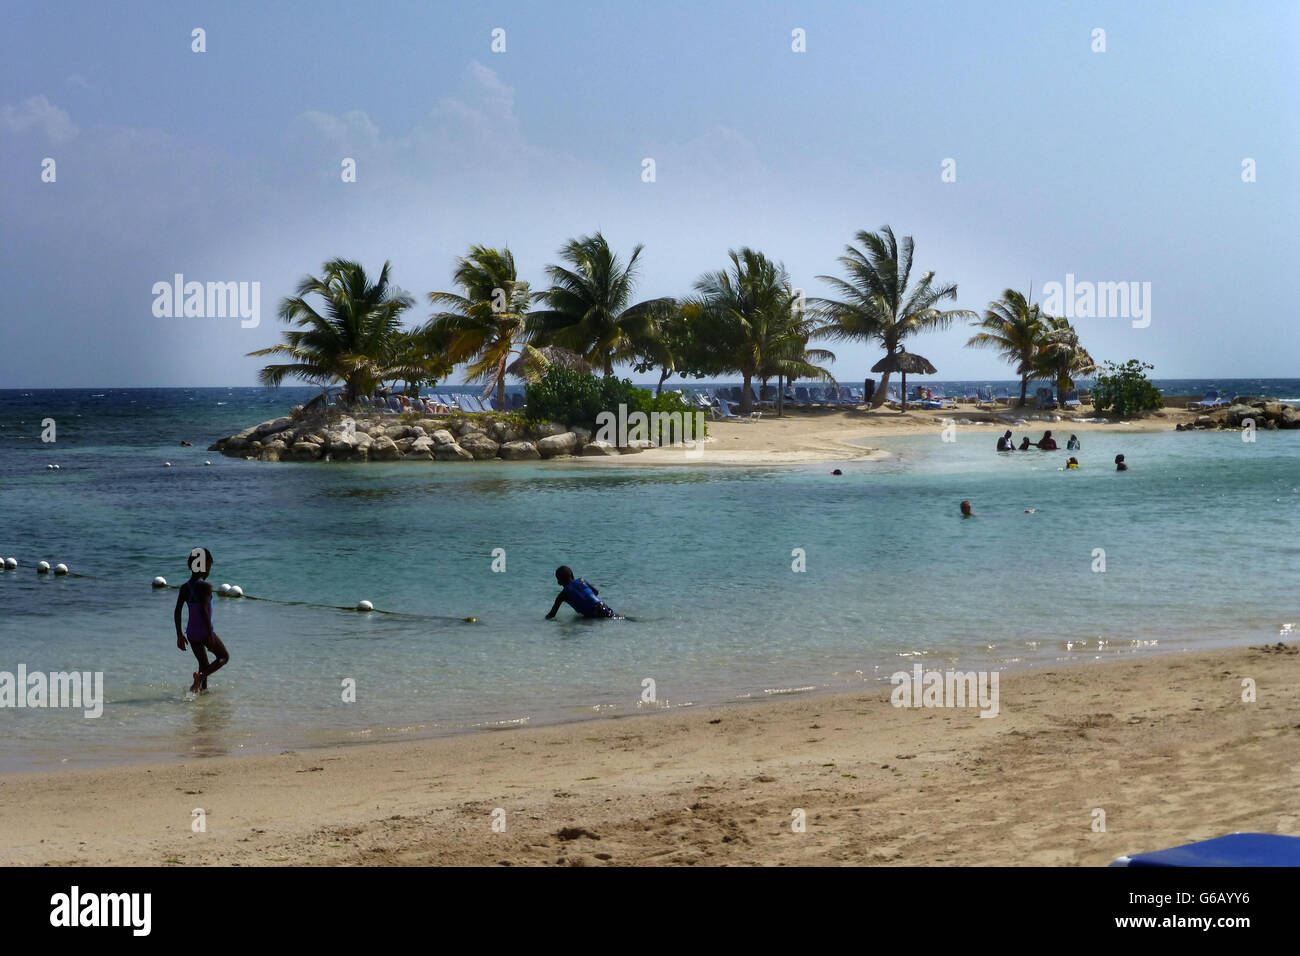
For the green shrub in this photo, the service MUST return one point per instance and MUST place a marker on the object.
(576, 399)
(1125, 390)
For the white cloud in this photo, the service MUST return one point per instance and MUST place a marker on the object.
(39, 113)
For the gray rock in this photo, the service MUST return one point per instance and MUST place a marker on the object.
(404, 444)
(547, 429)
(375, 431)
(468, 427)
(303, 450)
(394, 432)
(519, 451)
(452, 452)
(583, 435)
(503, 432)
(415, 431)
(270, 428)
(273, 451)
(480, 446)
(1289, 418)
(598, 448)
(384, 449)
(563, 444)
(1238, 413)
(443, 437)
(1204, 421)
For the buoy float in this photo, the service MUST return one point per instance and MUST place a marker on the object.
(167, 464)
(11, 563)
(224, 589)
(56, 467)
(236, 591)
(160, 582)
(207, 463)
(365, 606)
(60, 569)
(49, 467)
(470, 620)
(43, 568)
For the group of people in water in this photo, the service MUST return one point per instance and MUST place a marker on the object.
(1048, 443)
(195, 598)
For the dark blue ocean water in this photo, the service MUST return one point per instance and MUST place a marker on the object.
(1201, 537)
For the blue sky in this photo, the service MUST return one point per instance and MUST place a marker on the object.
(1122, 166)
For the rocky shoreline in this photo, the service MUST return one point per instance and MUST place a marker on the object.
(457, 437)
(1268, 415)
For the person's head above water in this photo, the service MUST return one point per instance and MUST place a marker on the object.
(1119, 459)
(837, 472)
(1007, 434)
(965, 509)
(1047, 434)
(563, 574)
(200, 562)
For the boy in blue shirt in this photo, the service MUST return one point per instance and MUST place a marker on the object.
(579, 595)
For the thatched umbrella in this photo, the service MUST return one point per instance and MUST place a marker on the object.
(904, 361)
(533, 362)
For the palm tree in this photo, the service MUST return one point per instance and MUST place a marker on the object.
(790, 358)
(351, 342)
(1015, 328)
(751, 314)
(589, 311)
(487, 324)
(1060, 356)
(875, 302)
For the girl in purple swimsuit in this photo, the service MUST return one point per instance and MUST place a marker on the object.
(196, 594)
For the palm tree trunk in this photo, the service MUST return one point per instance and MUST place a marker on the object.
(501, 392)
(878, 396)
(663, 377)
(1024, 388)
(780, 394)
(746, 400)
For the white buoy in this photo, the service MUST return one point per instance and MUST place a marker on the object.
(224, 589)
(60, 569)
(11, 563)
(167, 464)
(49, 467)
(236, 591)
(160, 582)
(56, 467)
(43, 568)
(207, 463)
(365, 606)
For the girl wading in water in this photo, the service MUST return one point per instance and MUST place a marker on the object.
(196, 594)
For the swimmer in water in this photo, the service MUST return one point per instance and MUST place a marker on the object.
(579, 595)
(1006, 442)
(1073, 443)
(1072, 463)
(837, 472)
(1119, 463)
(965, 510)
(1026, 444)
(196, 594)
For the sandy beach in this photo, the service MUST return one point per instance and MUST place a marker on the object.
(805, 436)
(1164, 744)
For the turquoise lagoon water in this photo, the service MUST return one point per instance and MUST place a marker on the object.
(1201, 541)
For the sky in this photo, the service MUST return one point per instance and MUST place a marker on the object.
(1003, 138)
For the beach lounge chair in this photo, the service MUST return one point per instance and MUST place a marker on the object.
(1210, 400)
(724, 412)
(1044, 398)
(1001, 396)
(984, 397)
(846, 396)
(1235, 849)
(817, 396)
(801, 395)
(1072, 399)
